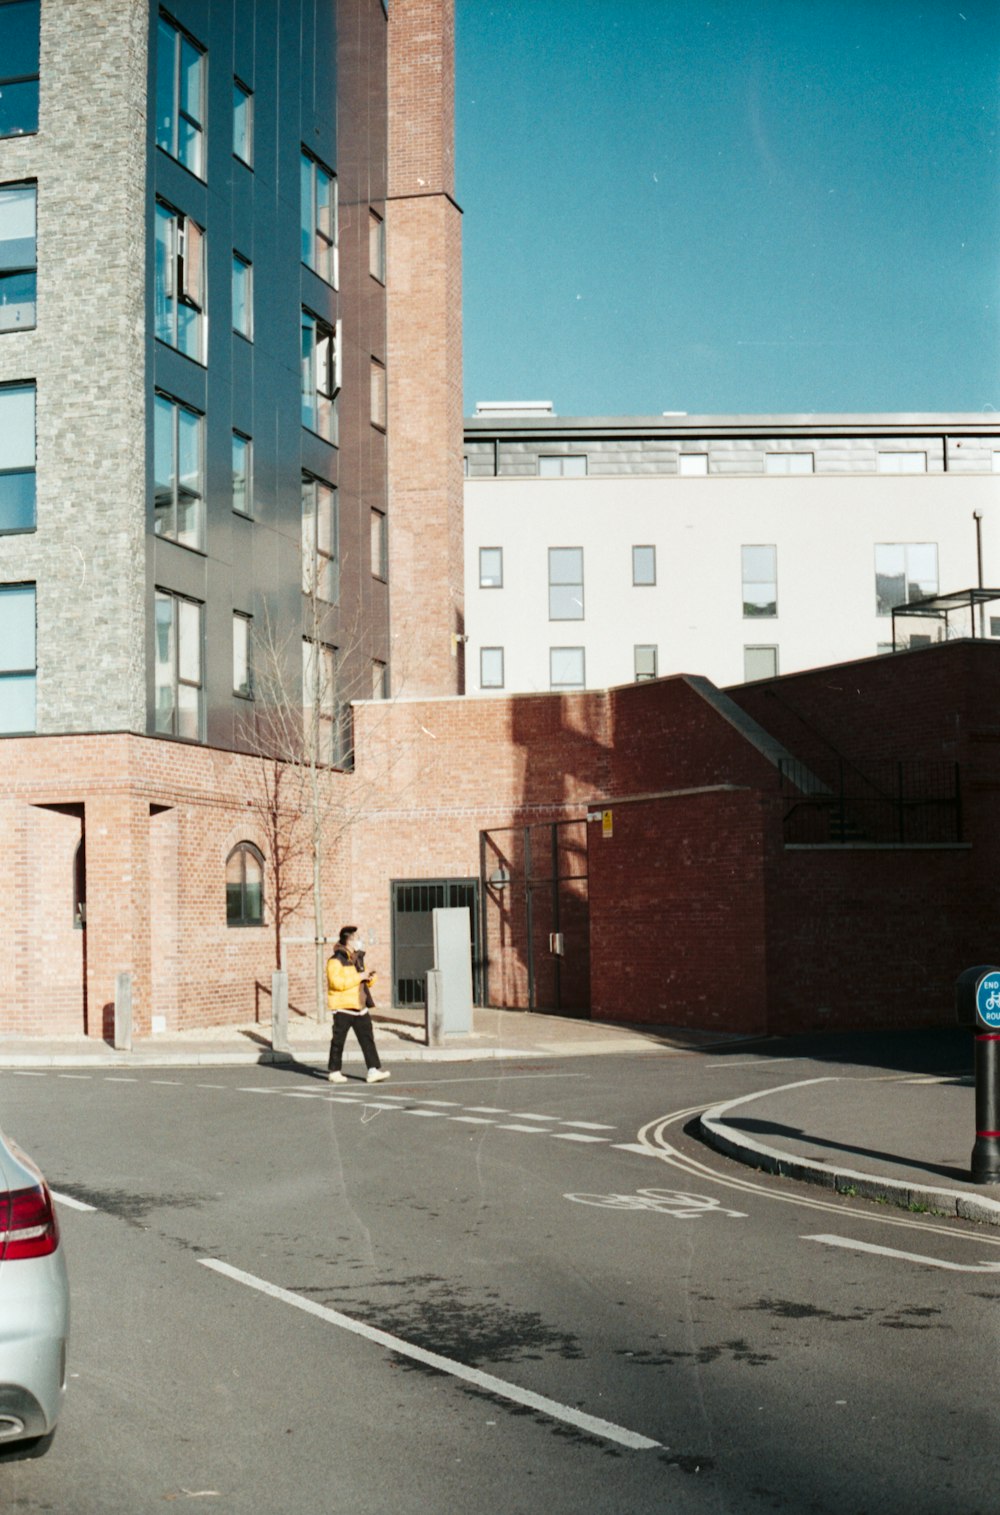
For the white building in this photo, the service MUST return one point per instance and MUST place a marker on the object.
(601, 551)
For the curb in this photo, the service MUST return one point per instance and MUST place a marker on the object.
(754, 1154)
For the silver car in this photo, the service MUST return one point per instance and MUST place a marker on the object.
(34, 1302)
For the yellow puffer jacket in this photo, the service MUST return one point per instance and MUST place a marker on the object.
(343, 984)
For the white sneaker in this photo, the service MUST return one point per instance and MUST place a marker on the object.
(376, 1075)
(337, 1078)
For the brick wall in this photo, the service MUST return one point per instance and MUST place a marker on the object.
(423, 229)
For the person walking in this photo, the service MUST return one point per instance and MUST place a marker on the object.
(348, 995)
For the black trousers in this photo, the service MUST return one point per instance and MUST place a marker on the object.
(361, 1025)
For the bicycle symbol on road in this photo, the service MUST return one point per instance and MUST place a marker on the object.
(672, 1202)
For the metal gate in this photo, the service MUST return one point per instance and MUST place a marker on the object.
(536, 916)
(413, 900)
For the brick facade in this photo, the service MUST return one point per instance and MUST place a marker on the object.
(423, 225)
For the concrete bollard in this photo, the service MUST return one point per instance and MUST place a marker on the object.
(435, 1007)
(279, 1013)
(123, 1012)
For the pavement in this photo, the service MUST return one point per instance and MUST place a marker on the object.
(895, 1123)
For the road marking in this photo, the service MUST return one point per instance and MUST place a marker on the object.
(637, 1147)
(575, 1136)
(486, 1109)
(446, 1104)
(592, 1425)
(210, 1086)
(71, 1204)
(73, 1075)
(928, 1262)
(168, 1083)
(424, 1112)
(677, 1205)
(288, 1093)
(587, 1125)
(473, 1120)
(256, 1089)
(28, 1073)
(535, 1130)
(530, 1115)
(121, 1078)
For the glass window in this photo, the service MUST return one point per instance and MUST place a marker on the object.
(17, 457)
(788, 462)
(242, 296)
(565, 583)
(179, 282)
(378, 394)
(242, 681)
(242, 123)
(178, 667)
(17, 658)
(178, 498)
(17, 256)
(759, 663)
(376, 247)
(902, 462)
(566, 668)
(491, 567)
(996, 462)
(760, 580)
(380, 545)
(904, 572)
(692, 464)
(19, 24)
(320, 540)
(242, 474)
(572, 466)
(180, 94)
(643, 565)
(320, 376)
(644, 663)
(325, 717)
(245, 886)
(491, 667)
(319, 218)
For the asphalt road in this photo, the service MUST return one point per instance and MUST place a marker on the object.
(518, 1288)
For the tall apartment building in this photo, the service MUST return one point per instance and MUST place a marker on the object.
(195, 401)
(602, 551)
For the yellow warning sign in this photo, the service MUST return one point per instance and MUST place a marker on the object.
(607, 823)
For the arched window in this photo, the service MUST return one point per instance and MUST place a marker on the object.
(245, 886)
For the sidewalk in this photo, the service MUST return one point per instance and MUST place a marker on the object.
(900, 1138)
(399, 1034)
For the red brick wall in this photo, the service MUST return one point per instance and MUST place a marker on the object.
(677, 910)
(424, 313)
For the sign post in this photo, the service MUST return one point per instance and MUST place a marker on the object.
(978, 1005)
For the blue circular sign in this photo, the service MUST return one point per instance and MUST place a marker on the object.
(988, 1000)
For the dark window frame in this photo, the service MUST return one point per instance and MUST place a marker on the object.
(243, 915)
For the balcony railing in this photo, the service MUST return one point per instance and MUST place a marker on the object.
(888, 803)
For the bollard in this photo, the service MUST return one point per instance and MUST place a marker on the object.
(978, 1005)
(435, 1007)
(279, 1013)
(123, 1012)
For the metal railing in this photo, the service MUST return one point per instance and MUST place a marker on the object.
(890, 803)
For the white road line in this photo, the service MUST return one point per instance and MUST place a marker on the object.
(587, 1125)
(473, 1120)
(486, 1109)
(28, 1073)
(294, 1094)
(208, 1086)
(575, 1136)
(915, 1257)
(637, 1147)
(439, 1113)
(256, 1089)
(590, 1424)
(530, 1115)
(121, 1078)
(449, 1104)
(73, 1075)
(535, 1130)
(168, 1083)
(72, 1204)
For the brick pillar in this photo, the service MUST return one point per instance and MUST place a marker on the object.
(118, 906)
(424, 314)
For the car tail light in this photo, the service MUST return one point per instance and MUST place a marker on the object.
(28, 1225)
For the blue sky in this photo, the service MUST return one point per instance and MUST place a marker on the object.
(730, 205)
